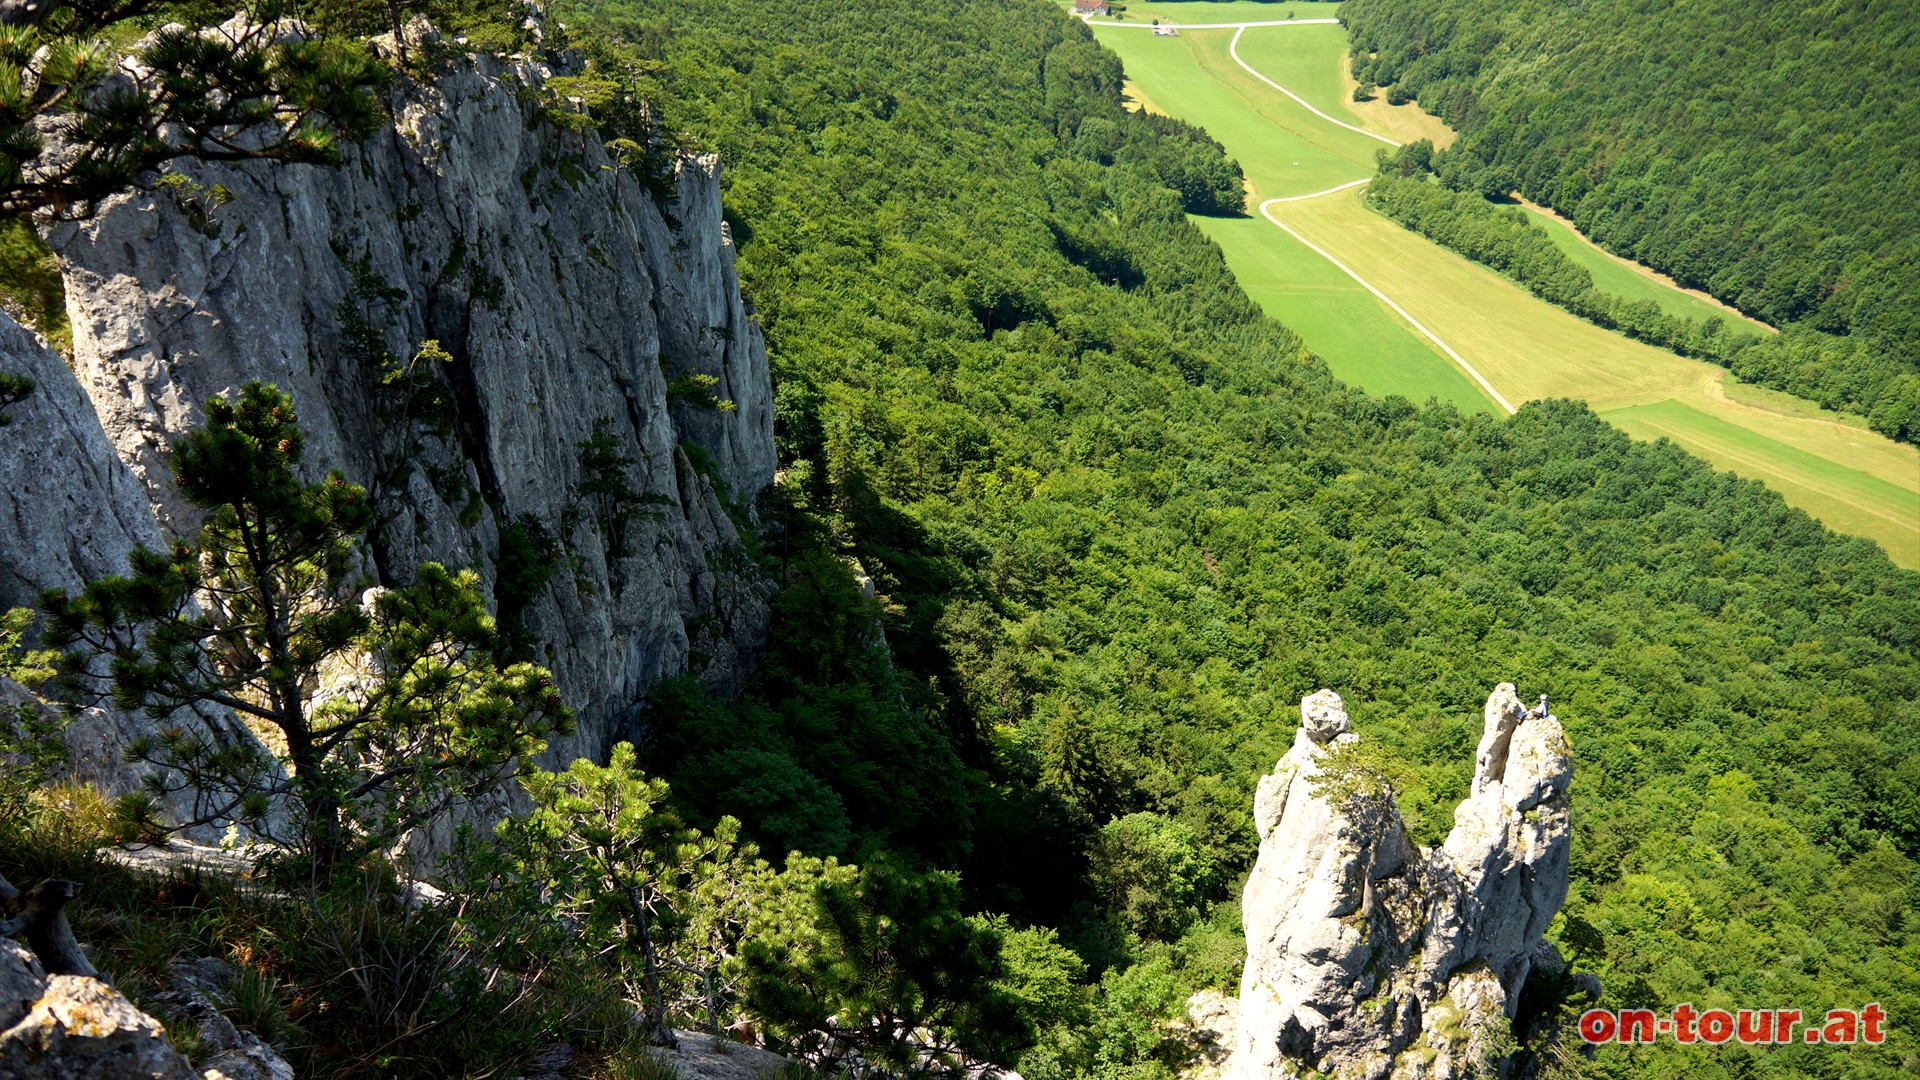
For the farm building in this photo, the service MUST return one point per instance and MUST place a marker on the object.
(1090, 7)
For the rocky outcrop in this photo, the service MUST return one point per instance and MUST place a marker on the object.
(74, 1027)
(567, 300)
(232, 1052)
(70, 1027)
(60, 1019)
(1370, 957)
(70, 510)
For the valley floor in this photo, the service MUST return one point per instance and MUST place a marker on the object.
(1506, 345)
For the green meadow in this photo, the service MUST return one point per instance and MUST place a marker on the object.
(1827, 465)
(1339, 319)
(1215, 11)
(1616, 276)
(1287, 151)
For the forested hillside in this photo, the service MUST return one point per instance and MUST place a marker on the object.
(1504, 238)
(1119, 522)
(1758, 151)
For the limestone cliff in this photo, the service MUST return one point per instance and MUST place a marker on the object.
(1370, 957)
(568, 299)
(71, 511)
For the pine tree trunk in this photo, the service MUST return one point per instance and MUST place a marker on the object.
(655, 1009)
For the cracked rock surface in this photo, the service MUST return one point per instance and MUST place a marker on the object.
(1370, 957)
(573, 301)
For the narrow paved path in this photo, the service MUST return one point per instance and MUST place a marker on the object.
(1267, 212)
(1233, 50)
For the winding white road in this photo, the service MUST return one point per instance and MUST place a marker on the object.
(1266, 211)
(1233, 50)
(1382, 297)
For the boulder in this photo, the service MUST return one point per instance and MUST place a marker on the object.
(70, 1027)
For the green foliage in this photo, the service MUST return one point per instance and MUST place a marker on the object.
(1128, 1034)
(667, 903)
(249, 615)
(527, 558)
(696, 389)
(838, 754)
(257, 1001)
(31, 289)
(1356, 773)
(189, 95)
(1703, 140)
(349, 977)
(606, 491)
(1152, 873)
(14, 389)
(877, 960)
(1046, 978)
(619, 97)
(197, 201)
(30, 743)
(1117, 523)
(356, 978)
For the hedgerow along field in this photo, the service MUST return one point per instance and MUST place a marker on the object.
(1824, 463)
(1363, 343)
(1612, 274)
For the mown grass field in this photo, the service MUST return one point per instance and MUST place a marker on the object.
(1851, 479)
(1340, 320)
(1315, 61)
(1284, 149)
(1298, 154)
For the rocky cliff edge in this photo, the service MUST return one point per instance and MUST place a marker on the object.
(567, 300)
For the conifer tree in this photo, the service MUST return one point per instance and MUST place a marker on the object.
(80, 119)
(386, 711)
(668, 901)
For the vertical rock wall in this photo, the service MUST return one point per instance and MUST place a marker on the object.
(71, 511)
(568, 298)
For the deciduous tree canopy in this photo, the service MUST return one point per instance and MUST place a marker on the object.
(1118, 522)
(1758, 151)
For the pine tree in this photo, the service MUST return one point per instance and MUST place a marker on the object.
(260, 615)
(80, 121)
(668, 901)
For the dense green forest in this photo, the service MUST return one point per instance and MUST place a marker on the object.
(1504, 238)
(1800, 359)
(1120, 522)
(1757, 151)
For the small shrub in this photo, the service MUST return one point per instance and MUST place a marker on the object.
(184, 1034)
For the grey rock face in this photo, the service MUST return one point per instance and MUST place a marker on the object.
(233, 1052)
(21, 982)
(71, 511)
(568, 300)
(68, 1027)
(1370, 957)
